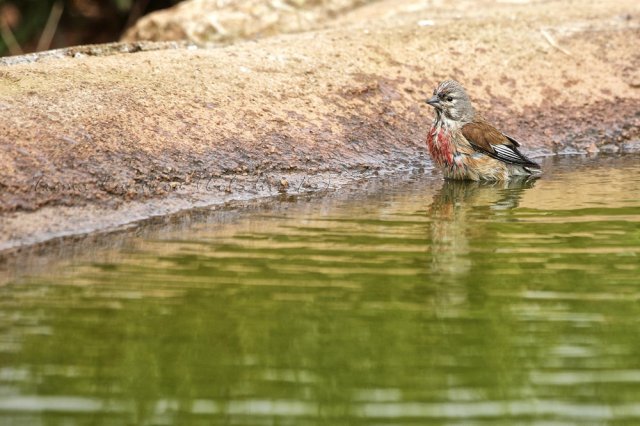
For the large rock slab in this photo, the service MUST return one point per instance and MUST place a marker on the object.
(216, 21)
(96, 137)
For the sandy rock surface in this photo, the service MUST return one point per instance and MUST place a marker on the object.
(94, 138)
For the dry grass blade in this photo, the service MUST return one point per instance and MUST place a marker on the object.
(51, 27)
(553, 42)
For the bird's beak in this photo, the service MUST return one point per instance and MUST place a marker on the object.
(434, 101)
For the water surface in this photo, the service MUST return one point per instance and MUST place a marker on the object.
(413, 303)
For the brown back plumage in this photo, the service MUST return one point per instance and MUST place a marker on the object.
(486, 138)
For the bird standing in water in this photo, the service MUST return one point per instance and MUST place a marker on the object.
(465, 146)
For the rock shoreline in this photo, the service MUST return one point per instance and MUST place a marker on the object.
(94, 141)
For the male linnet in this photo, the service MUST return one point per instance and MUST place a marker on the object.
(465, 146)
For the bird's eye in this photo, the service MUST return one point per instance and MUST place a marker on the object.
(449, 98)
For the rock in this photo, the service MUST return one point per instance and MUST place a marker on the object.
(609, 149)
(141, 116)
(631, 146)
(220, 21)
(283, 185)
(593, 148)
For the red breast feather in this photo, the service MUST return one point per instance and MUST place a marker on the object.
(439, 144)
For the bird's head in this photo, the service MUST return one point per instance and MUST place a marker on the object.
(452, 101)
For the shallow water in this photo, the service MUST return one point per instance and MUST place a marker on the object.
(419, 302)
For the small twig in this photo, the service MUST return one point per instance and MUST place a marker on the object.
(51, 27)
(9, 39)
(553, 43)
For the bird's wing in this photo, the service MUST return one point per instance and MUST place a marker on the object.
(513, 141)
(486, 138)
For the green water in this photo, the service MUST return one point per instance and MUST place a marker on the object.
(416, 302)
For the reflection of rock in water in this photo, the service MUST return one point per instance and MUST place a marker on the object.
(458, 211)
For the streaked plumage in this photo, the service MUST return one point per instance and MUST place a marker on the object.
(465, 146)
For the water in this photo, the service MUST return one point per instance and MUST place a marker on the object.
(419, 302)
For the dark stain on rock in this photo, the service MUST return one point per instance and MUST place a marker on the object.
(458, 74)
(507, 81)
(570, 82)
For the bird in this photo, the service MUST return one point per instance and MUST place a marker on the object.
(465, 146)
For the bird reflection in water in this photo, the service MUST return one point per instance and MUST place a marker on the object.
(461, 212)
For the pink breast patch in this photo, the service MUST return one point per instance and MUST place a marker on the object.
(439, 144)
